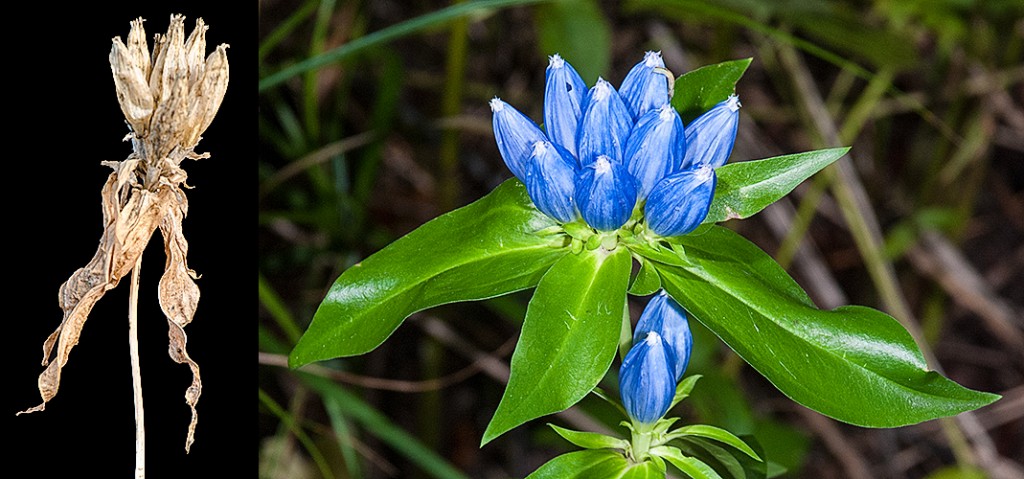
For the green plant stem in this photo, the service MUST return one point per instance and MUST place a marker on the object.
(311, 100)
(451, 105)
(285, 28)
(289, 422)
(387, 34)
(270, 300)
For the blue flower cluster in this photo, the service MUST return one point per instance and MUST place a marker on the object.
(607, 152)
(661, 351)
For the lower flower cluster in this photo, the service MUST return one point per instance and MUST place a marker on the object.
(662, 342)
(606, 153)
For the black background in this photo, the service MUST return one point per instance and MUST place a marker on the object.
(60, 98)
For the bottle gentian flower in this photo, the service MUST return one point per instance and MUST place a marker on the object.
(515, 135)
(563, 102)
(647, 379)
(663, 315)
(605, 125)
(550, 180)
(655, 148)
(605, 194)
(644, 88)
(679, 203)
(605, 151)
(710, 137)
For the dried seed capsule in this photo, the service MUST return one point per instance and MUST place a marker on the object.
(130, 84)
(137, 48)
(207, 95)
(195, 48)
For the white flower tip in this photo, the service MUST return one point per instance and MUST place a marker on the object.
(539, 147)
(497, 105)
(602, 90)
(652, 339)
(704, 171)
(666, 112)
(602, 164)
(733, 102)
(653, 59)
(555, 61)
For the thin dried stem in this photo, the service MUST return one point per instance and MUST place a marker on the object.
(133, 347)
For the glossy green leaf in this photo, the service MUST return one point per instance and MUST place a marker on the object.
(728, 462)
(712, 432)
(589, 464)
(684, 388)
(747, 187)
(578, 31)
(644, 470)
(590, 440)
(854, 364)
(485, 249)
(699, 90)
(646, 281)
(569, 337)
(690, 466)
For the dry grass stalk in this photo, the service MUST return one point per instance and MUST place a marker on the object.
(169, 97)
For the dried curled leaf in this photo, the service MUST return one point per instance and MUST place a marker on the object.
(131, 215)
(179, 297)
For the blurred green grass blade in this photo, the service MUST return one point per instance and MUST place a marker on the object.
(387, 34)
(311, 103)
(289, 422)
(381, 427)
(343, 434)
(270, 300)
(579, 32)
(285, 28)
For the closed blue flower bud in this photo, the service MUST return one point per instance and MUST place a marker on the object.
(605, 125)
(563, 102)
(710, 137)
(645, 89)
(550, 180)
(680, 202)
(515, 135)
(655, 148)
(647, 379)
(605, 194)
(663, 315)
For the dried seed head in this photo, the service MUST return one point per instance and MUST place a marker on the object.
(185, 91)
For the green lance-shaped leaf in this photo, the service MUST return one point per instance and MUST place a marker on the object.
(691, 466)
(589, 464)
(569, 337)
(747, 187)
(728, 462)
(485, 249)
(854, 364)
(590, 440)
(716, 433)
(699, 90)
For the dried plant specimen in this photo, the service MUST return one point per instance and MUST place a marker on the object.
(169, 96)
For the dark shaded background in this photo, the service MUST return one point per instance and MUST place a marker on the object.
(400, 133)
(63, 119)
